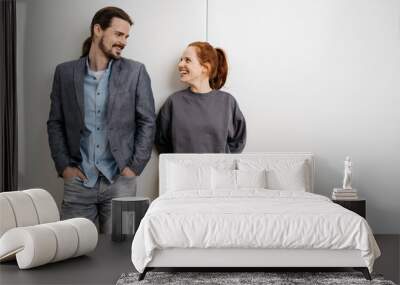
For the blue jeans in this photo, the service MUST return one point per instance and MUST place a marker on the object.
(95, 203)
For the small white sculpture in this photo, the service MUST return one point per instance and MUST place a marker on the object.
(347, 173)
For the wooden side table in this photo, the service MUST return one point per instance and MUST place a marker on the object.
(127, 212)
(357, 206)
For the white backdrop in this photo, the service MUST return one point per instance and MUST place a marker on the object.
(320, 76)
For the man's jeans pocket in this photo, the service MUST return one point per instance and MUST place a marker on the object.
(74, 189)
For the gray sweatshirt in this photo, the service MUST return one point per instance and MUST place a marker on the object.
(191, 122)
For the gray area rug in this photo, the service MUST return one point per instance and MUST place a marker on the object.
(232, 278)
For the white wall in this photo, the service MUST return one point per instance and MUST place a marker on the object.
(320, 76)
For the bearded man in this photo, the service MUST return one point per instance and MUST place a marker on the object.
(101, 124)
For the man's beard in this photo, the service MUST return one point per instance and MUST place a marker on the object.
(108, 52)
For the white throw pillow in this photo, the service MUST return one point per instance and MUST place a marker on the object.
(231, 180)
(282, 174)
(223, 179)
(288, 178)
(183, 177)
(251, 178)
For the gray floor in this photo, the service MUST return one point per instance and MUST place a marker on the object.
(389, 262)
(110, 260)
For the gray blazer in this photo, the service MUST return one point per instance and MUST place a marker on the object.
(130, 114)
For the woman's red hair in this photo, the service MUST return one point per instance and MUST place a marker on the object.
(215, 60)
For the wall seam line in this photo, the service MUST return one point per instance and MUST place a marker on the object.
(206, 20)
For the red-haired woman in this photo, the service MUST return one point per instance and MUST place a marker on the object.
(201, 118)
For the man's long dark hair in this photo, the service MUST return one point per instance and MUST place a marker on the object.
(103, 17)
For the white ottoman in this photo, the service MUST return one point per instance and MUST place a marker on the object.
(31, 232)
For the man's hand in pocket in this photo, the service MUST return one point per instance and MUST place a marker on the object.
(71, 172)
(128, 172)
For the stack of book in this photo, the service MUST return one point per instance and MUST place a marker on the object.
(344, 194)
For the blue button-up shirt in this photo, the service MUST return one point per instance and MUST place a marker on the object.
(94, 147)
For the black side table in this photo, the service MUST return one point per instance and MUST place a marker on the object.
(357, 206)
(127, 212)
